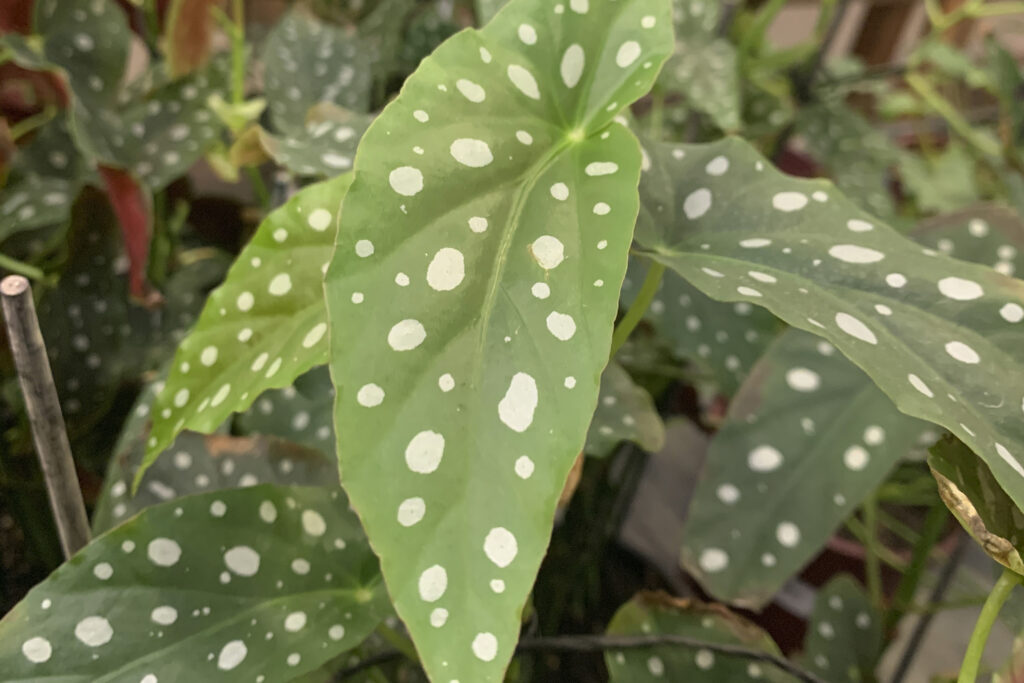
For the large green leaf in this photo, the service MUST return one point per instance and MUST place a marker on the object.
(975, 499)
(844, 638)
(941, 337)
(656, 613)
(263, 583)
(260, 329)
(471, 300)
(806, 439)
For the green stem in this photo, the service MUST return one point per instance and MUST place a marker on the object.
(998, 9)
(636, 311)
(397, 641)
(931, 533)
(656, 117)
(258, 186)
(238, 52)
(927, 92)
(873, 565)
(22, 268)
(27, 125)
(982, 627)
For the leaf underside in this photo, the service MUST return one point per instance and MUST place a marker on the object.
(471, 300)
(263, 583)
(942, 338)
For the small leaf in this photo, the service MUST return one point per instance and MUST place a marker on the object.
(187, 34)
(265, 581)
(625, 412)
(807, 438)
(260, 329)
(656, 613)
(724, 339)
(943, 183)
(34, 202)
(325, 146)
(941, 337)
(704, 67)
(309, 61)
(844, 638)
(974, 497)
(472, 295)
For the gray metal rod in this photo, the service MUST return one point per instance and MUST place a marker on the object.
(44, 414)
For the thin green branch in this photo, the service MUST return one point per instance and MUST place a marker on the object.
(989, 611)
(944, 108)
(398, 641)
(22, 268)
(29, 124)
(636, 311)
(873, 565)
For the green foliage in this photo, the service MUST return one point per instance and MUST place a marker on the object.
(844, 637)
(655, 613)
(262, 328)
(940, 337)
(806, 440)
(989, 234)
(200, 587)
(485, 375)
(943, 183)
(301, 413)
(625, 412)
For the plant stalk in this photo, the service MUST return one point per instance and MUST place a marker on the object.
(983, 627)
(639, 306)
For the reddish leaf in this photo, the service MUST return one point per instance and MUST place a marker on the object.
(187, 35)
(131, 204)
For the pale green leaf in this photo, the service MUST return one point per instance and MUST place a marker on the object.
(989, 234)
(263, 327)
(844, 638)
(471, 297)
(941, 337)
(263, 583)
(625, 412)
(806, 439)
(656, 613)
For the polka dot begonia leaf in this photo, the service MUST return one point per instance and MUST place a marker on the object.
(657, 613)
(197, 463)
(975, 499)
(625, 412)
(256, 584)
(34, 202)
(302, 413)
(723, 340)
(323, 147)
(260, 329)
(309, 61)
(942, 338)
(157, 135)
(807, 438)
(703, 67)
(472, 296)
(844, 638)
(989, 234)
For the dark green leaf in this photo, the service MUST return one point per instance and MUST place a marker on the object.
(625, 412)
(844, 638)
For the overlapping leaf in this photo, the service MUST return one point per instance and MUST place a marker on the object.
(725, 340)
(704, 67)
(301, 413)
(625, 412)
(806, 439)
(844, 638)
(941, 337)
(324, 146)
(989, 234)
(33, 203)
(263, 583)
(263, 327)
(197, 463)
(471, 297)
(975, 499)
(655, 613)
(309, 61)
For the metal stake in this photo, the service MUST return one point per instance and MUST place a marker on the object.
(44, 414)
